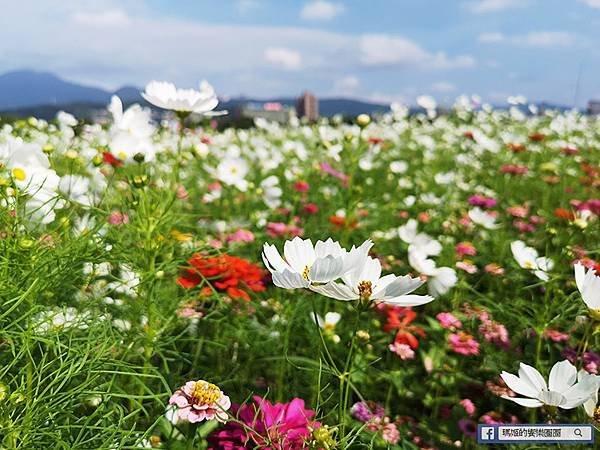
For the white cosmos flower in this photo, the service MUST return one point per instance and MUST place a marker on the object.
(271, 192)
(483, 218)
(588, 284)
(165, 95)
(439, 279)
(591, 404)
(528, 258)
(232, 171)
(329, 322)
(418, 242)
(131, 131)
(305, 264)
(566, 388)
(366, 283)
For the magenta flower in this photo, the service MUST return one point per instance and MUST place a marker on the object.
(117, 218)
(326, 167)
(468, 405)
(279, 426)
(463, 343)
(482, 201)
(200, 400)
(449, 321)
(367, 411)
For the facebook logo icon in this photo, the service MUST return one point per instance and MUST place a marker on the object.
(487, 433)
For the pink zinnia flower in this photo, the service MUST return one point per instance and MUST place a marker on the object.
(465, 249)
(449, 321)
(280, 426)
(402, 350)
(241, 235)
(390, 432)
(495, 333)
(301, 186)
(494, 269)
(200, 400)
(468, 405)
(482, 201)
(467, 266)
(555, 335)
(463, 343)
(118, 218)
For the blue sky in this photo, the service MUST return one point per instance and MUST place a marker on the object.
(380, 50)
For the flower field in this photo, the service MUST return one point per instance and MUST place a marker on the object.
(365, 284)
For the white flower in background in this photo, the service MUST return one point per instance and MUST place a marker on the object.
(588, 284)
(429, 104)
(529, 259)
(367, 284)
(65, 119)
(232, 171)
(483, 218)
(58, 319)
(418, 242)
(305, 264)
(328, 323)
(77, 189)
(566, 388)
(398, 166)
(591, 405)
(165, 95)
(127, 283)
(439, 279)
(271, 192)
(131, 131)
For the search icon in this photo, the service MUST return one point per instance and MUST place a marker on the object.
(577, 432)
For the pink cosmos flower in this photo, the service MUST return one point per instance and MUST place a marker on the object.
(200, 400)
(463, 343)
(118, 218)
(482, 201)
(326, 167)
(402, 350)
(279, 426)
(555, 335)
(468, 405)
(449, 321)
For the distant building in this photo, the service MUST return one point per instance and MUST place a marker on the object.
(594, 107)
(271, 111)
(308, 106)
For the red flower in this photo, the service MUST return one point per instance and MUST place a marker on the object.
(400, 319)
(109, 158)
(229, 274)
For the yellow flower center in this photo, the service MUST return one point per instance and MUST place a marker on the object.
(306, 272)
(529, 265)
(365, 289)
(19, 174)
(122, 155)
(205, 393)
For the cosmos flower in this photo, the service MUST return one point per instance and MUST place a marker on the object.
(528, 258)
(588, 283)
(483, 218)
(439, 279)
(418, 242)
(165, 95)
(200, 400)
(305, 264)
(566, 388)
(131, 132)
(366, 284)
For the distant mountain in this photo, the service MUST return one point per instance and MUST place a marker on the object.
(26, 93)
(24, 88)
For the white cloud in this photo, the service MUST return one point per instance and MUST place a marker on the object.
(443, 87)
(321, 10)
(491, 37)
(283, 57)
(346, 86)
(489, 6)
(386, 50)
(592, 3)
(109, 18)
(547, 39)
(245, 6)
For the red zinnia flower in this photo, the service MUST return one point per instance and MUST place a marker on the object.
(229, 274)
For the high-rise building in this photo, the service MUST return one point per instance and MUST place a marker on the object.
(594, 107)
(308, 106)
